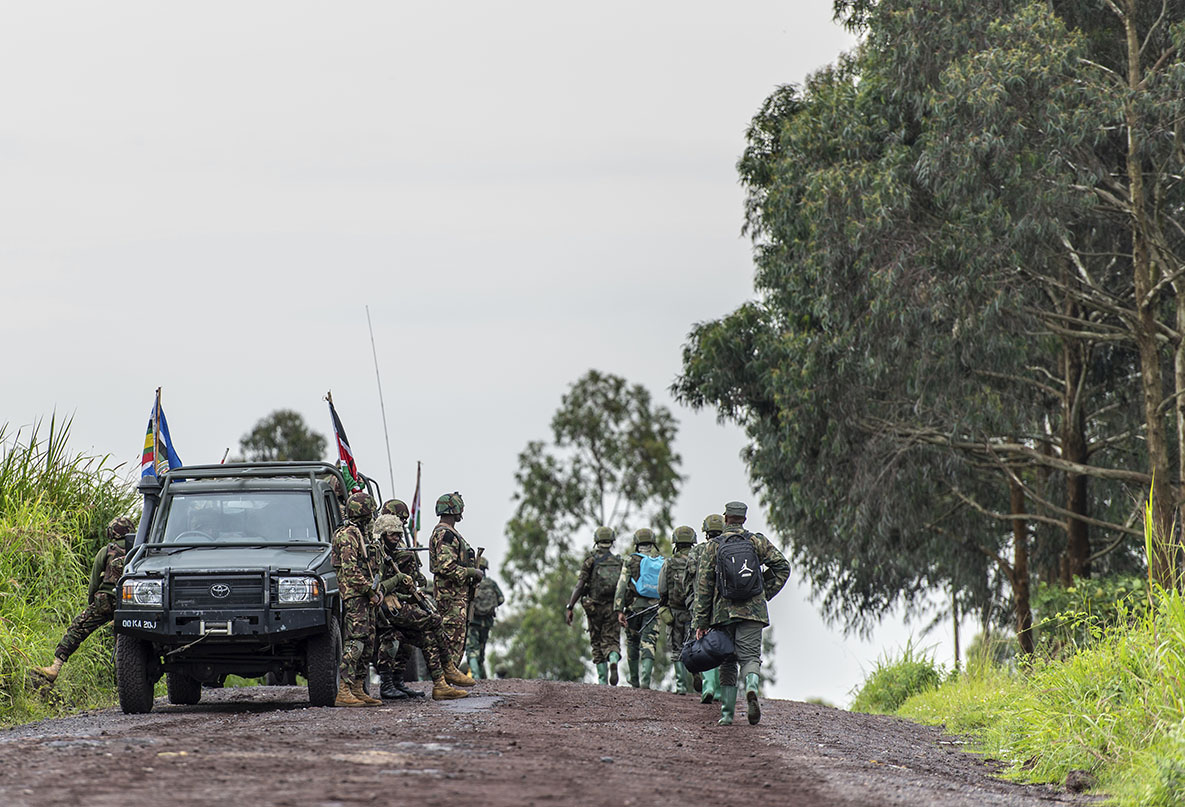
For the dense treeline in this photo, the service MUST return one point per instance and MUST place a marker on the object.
(965, 365)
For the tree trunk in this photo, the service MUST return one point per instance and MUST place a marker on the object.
(1020, 571)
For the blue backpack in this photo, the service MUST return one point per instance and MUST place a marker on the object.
(646, 583)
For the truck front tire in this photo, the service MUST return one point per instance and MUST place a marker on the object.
(183, 690)
(134, 676)
(323, 655)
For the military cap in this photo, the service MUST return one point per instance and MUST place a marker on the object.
(684, 535)
(604, 535)
(395, 507)
(714, 523)
(450, 504)
(387, 524)
(736, 509)
(120, 527)
(644, 536)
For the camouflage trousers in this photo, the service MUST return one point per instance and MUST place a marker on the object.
(453, 608)
(475, 646)
(411, 626)
(641, 631)
(678, 632)
(97, 614)
(359, 630)
(604, 631)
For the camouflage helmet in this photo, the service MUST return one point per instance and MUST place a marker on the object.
(395, 507)
(714, 523)
(119, 528)
(483, 562)
(387, 524)
(450, 504)
(644, 536)
(604, 535)
(336, 485)
(360, 506)
(684, 535)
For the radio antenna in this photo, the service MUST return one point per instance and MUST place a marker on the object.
(382, 406)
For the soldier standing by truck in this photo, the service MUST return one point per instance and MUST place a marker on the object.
(105, 573)
(486, 600)
(356, 568)
(595, 588)
(453, 564)
(637, 593)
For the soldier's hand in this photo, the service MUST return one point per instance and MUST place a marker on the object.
(621, 618)
(476, 575)
(375, 598)
(665, 616)
(700, 633)
(568, 616)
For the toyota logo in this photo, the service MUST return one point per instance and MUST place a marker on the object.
(220, 590)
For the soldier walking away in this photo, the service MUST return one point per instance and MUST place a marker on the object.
(407, 619)
(675, 582)
(713, 526)
(357, 566)
(486, 600)
(595, 589)
(453, 564)
(731, 590)
(105, 573)
(637, 593)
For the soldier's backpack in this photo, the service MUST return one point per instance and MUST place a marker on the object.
(606, 572)
(485, 599)
(675, 577)
(646, 583)
(738, 569)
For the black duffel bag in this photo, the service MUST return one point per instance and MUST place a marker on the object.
(708, 653)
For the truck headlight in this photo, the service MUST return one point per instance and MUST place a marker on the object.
(297, 589)
(142, 592)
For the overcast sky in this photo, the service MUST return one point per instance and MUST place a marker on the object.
(204, 197)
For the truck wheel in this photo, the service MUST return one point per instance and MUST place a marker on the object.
(323, 656)
(287, 678)
(134, 676)
(183, 689)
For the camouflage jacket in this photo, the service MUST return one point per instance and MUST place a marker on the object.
(666, 581)
(354, 560)
(487, 582)
(584, 580)
(107, 569)
(449, 559)
(627, 598)
(712, 609)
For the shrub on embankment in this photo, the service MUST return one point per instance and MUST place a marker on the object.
(54, 508)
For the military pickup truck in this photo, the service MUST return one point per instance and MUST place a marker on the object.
(230, 573)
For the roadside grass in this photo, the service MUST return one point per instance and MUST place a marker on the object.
(893, 681)
(54, 507)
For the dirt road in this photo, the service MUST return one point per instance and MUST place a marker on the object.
(517, 743)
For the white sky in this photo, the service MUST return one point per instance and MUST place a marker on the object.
(204, 197)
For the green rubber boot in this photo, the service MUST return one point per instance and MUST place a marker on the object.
(708, 690)
(475, 670)
(751, 705)
(603, 673)
(728, 705)
(632, 664)
(647, 672)
(614, 658)
(680, 678)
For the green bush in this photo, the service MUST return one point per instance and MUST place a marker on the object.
(1066, 618)
(892, 682)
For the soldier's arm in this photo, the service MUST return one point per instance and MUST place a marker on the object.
(497, 590)
(777, 568)
(623, 582)
(582, 582)
(97, 572)
(705, 590)
(662, 586)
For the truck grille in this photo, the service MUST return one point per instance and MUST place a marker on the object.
(194, 591)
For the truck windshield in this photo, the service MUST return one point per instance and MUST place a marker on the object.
(261, 516)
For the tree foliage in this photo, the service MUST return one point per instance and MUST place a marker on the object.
(281, 436)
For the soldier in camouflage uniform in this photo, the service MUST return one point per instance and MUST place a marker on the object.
(357, 562)
(595, 589)
(641, 625)
(486, 600)
(743, 620)
(408, 619)
(674, 604)
(105, 573)
(453, 564)
(713, 526)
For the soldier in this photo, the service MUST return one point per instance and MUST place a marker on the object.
(731, 590)
(407, 619)
(356, 565)
(454, 571)
(713, 526)
(595, 589)
(105, 573)
(485, 603)
(674, 604)
(637, 593)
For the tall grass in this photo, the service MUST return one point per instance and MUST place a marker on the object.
(54, 507)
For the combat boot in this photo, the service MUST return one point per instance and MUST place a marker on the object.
(475, 669)
(457, 678)
(345, 696)
(680, 678)
(751, 705)
(647, 672)
(361, 695)
(728, 705)
(602, 672)
(632, 663)
(50, 673)
(443, 691)
(614, 657)
(411, 693)
(708, 690)
(389, 690)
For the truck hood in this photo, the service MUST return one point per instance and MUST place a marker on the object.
(201, 559)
